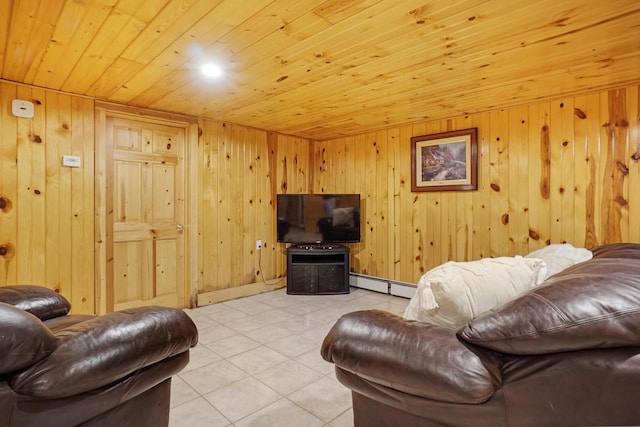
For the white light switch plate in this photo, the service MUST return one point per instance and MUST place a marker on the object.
(71, 161)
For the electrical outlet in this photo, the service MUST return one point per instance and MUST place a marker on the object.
(259, 245)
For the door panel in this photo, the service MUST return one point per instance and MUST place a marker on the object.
(128, 186)
(163, 209)
(131, 267)
(165, 267)
(127, 139)
(147, 196)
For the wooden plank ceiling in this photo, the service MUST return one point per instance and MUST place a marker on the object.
(321, 68)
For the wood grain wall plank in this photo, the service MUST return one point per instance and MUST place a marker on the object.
(83, 266)
(9, 189)
(465, 207)
(518, 180)
(535, 121)
(544, 145)
(421, 232)
(567, 187)
(224, 209)
(209, 178)
(481, 203)
(38, 182)
(252, 225)
(53, 198)
(358, 172)
(633, 100)
(580, 168)
(391, 180)
(499, 182)
(384, 202)
(404, 208)
(31, 191)
(616, 171)
(371, 225)
(593, 190)
(436, 239)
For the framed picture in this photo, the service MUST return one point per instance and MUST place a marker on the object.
(446, 161)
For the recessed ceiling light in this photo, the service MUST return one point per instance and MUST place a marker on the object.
(211, 70)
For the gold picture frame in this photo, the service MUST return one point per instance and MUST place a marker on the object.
(446, 161)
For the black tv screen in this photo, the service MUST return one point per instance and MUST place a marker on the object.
(318, 218)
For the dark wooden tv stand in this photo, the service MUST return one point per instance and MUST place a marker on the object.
(317, 269)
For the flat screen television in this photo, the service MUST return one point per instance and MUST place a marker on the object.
(318, 218)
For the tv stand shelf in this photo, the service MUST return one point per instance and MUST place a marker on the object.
(317, 269)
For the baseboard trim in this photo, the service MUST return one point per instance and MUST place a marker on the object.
(208, 298)
(362, 281)
(379, 284)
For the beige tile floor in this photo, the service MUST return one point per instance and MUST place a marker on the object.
(258, 362)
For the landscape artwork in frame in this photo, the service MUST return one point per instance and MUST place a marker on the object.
(446, 161)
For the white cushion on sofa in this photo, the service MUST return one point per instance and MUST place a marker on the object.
(454, 293)
(560, 256)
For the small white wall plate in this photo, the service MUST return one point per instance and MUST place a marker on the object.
(71, 161)
(21, 108)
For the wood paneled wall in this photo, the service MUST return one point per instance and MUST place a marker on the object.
(241, 171)
(561, 171)
(46, 213)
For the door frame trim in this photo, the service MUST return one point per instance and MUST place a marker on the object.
(103, 256)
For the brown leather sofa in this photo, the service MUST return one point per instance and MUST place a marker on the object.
(66, 370)
(566, 353)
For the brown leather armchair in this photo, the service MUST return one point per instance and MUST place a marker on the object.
(566, 353)
(58, 369)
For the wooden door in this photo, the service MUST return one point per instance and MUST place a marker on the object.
(146, 211)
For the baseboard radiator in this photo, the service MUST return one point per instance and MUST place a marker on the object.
(379, 284)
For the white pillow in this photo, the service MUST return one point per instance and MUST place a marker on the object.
(454, 293)
(560, 256)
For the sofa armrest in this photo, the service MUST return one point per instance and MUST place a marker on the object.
(40, 301)
(24, 339)
(617, 250)
(417, 358)
(105, 349)
(591, 305)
